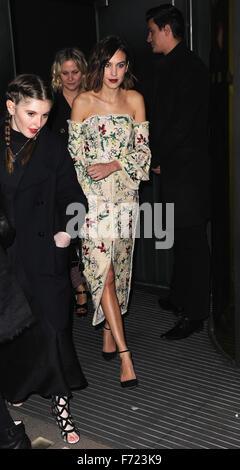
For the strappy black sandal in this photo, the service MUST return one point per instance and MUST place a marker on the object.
(108, 355)
(128, 383)
(57, 411)
(82, 306)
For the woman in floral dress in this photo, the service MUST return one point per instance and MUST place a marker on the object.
(108, 141)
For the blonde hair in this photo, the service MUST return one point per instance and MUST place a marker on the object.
(69, 53)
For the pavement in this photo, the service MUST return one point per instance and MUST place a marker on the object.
(45, 435)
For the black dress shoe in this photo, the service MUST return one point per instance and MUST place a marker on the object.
(14, 437)
(168, 307)
(183, 328)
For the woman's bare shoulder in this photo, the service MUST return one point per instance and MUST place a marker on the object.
(81, 106)
(136, 104)
(83, 97)
(134, 97)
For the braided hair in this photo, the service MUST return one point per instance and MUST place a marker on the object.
(22, 87)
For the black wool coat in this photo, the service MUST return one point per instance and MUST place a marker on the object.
(15, 312)
(46, 188)
(179, 134)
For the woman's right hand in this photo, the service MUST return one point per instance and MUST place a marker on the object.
(98, 171)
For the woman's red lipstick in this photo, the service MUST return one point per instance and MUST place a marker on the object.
(113, 80)
(33, 131)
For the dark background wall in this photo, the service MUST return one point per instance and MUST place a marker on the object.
(236, 172)
(7, 61)
(40, 29)
(127, 19)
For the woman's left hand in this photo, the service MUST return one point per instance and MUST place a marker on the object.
(102, 170)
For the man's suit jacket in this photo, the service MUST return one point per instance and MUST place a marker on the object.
(179, 134)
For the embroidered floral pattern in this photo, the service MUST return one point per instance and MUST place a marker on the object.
(109, 230)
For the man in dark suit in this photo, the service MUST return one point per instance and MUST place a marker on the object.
(179, 144)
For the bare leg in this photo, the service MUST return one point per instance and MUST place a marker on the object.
(110, 306)
(109, 345)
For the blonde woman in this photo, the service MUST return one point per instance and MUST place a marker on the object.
(68, 80)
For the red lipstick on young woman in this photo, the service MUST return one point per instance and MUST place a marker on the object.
(33, 131)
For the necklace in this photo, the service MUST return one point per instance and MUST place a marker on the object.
(14, 155)
(25, 143)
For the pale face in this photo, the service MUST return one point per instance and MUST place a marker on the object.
(158, 38)
(70, 76)
(115, 69)
(29, 115)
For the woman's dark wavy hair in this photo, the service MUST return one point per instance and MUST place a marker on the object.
(168, 14)
(100, 56)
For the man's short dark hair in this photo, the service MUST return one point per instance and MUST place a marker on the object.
(168, 14)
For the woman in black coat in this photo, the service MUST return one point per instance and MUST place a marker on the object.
(39, 183)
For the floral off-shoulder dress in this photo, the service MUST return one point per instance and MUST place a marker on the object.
(110, 225)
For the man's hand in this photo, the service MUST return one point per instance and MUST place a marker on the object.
(156, 170)
(102, 170)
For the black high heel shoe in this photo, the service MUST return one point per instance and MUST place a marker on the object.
(108, 355)
(57, 411)
(82, 306)
(128, 383)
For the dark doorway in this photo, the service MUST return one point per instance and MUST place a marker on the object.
(6, 52)
(39, 31)
(222, 261)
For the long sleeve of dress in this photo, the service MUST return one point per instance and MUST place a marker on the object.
(135, 164)
(68, 189)
(77, 152)
(134, 158)
(75, 144)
